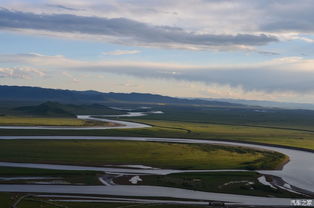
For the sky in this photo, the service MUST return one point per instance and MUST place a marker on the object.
(241, 49)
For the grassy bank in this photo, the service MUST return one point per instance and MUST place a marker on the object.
(38, 121)
(73, 177)
(163, 155)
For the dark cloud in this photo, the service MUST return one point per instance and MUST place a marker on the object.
(268, 80)
(58, 6)
(287, 16)
(291, 25)
(259, 78)
(125, 30)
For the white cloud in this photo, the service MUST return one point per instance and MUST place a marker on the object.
(238, 92)
(20, 72)
(293, 74)
(121, 52)
(283, 79)
(70, 76)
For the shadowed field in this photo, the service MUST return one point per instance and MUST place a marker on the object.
(7, 199)
(244, 183)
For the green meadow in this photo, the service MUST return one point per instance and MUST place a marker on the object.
(45, 121)
(173, 129)
(290, 137)
(269, 135)
(162, 155)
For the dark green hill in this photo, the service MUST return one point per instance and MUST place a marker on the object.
(55, 109)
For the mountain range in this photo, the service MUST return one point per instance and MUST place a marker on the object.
(37, 94)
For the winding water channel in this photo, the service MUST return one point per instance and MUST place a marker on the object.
(298, 172)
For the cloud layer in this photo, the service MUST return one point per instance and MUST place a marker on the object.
(293, 74)
(213, 16)
(20, 73)
(121, 52)
(127, 31)
(283, 28)
(192, 24)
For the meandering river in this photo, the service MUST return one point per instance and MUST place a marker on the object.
(298, 172)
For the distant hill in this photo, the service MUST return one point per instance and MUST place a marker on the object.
(55, 109)
(45, 109)
(30, 94)
(266, 103)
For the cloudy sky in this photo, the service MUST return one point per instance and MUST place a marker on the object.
(243, 49)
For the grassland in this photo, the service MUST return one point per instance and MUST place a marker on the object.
(163, 155)
(245, 115)
(278, 127)
(38, 121)
(269, 135)
(292, 128)
(174, 129)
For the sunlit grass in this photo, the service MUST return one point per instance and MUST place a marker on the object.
(163, 155)
(38, 121)
(286, 137)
